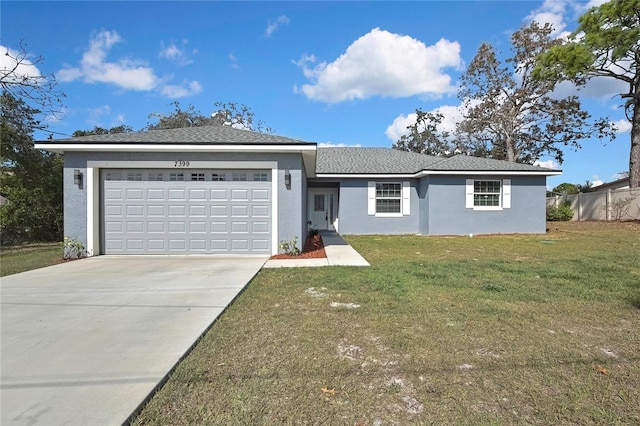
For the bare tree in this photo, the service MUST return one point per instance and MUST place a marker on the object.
(21, 78)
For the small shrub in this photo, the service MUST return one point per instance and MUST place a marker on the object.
(73, 249)
(290, 247)
(563, 212)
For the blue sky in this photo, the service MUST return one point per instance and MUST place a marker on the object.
(338, 73)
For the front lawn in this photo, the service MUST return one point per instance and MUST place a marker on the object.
(27, 257)
(513, 329)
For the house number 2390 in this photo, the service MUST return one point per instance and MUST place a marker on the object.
(180, 163)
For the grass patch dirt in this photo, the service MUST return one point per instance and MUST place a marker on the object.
(506, 329)
(25, 258)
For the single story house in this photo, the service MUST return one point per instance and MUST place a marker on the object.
(220, 190)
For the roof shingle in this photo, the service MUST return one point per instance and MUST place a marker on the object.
(187, 135)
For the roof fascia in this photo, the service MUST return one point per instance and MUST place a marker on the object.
(441, 172)
(120, 147)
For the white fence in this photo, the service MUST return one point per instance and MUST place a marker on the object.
(613, 204)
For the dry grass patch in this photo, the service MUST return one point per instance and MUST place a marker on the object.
(534, 329)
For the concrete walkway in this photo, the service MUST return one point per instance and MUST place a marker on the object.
(339, 253)
(86, 342)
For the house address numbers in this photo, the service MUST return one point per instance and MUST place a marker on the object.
(181, 163)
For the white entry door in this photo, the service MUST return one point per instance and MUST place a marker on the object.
(323, 209)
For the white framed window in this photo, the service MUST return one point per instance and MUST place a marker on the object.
(198, 177)
(261, 177)
(239, 177)
(389, 199)
(488, 194)
(174, 177)
(153, 176)
(218, 177)
(134, 176)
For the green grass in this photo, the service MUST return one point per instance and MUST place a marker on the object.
(32, 256)
(511, 329)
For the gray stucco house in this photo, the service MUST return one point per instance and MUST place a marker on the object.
(219, 190)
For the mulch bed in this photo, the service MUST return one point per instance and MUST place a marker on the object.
(313, 249)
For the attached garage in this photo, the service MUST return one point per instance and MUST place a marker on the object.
(180, 211)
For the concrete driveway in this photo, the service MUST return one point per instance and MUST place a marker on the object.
(86, 342)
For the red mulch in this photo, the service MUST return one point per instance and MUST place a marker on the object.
(313, 249)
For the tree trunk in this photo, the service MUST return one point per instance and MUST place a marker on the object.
(634, 155)
(511, 152)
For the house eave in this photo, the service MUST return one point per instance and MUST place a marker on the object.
(424, 173)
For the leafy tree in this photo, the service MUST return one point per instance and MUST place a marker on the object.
(425, 137)
(30, 179)
(102, 131)
(605, 44)
(227, 114)
(239, 116)
(21, 78)
(566, 188)
(512, 116)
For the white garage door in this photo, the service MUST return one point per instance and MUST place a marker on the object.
(186, 212)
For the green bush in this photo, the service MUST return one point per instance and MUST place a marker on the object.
(563, 212)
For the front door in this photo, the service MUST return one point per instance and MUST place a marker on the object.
(323, 209)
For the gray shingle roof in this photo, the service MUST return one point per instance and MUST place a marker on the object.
(350, 160)
(187, 135)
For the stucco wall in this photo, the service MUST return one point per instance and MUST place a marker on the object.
(290, 199)
(354, 218)
(447, 213)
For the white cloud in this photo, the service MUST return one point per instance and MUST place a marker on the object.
(451, 116)
(175, 53)
(336, 145)
(188, 88)
(14, 66)
(623, 126)
(95, 68)
(233, 60)
(549, 164)
(381, 63)
(552, 12)
(273, 26)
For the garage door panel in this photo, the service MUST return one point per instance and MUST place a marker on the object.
(114, 226)
(239, 195)
(179, 227)
(260, 211)
(181, 216)
(239, 227)
(135, 244)
(198, 245)
(177, 194)
(177, 211)
(136, 210)
(135, 194)
(197, 227)
(197, 194)
(260, 195)
(260, 245)
(177, 244)
(156, 194)
(135, 226)
(155, 210)
(114, 194)
(219, 211)
(157, 245)
(219, 227)
(218, 194)
(198, 211)
(260, 227)
(239, 211)
(239, 245)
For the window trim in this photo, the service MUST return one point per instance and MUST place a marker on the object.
(405, 199)
(505, 194)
